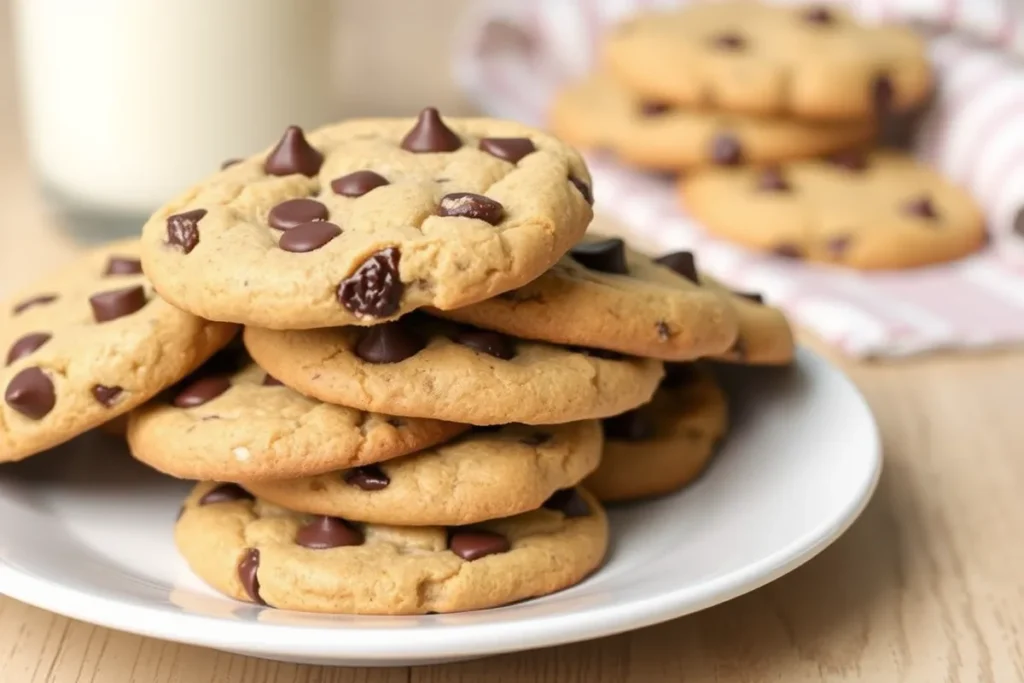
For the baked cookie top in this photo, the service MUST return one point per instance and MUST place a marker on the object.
(425, 367)
(813, 62)
(664, 445)
(238, 423)
(257, 552)
(604, 295)
(484, 474)
(366, 220)
(601, 113)
(88, 343)
(867, 211)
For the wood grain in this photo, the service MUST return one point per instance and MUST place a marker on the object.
(927, 586)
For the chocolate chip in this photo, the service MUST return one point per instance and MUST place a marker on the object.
(472, 545)
(654, 108)
(485, 341)
(117, 303)
(786, 250)
(328, 532)
(882, 93)
(269, 381)
(818, 15)
(922, 207)
(389, 343)
(106, 395)
(225, 493)
(308, 237)
(247, 568)
(26, 345)
(375, 288)
(679, 374)
(367, 478)
(631, 426)
(31, 393)
(682, 263)
(183, 229)
(536, 439)
(357, 184)
(837, 246)
(663, 330)
(469, 205)
(726, 150)
(122, 265)
(396, 422)
(40, 300)
(771, 179)
(605, 256)
(569, 502)
(430, 134)
(201, 391)
(750, 296)
(851, 160)
(295, 212)
(293, 154)
(729, 41)
(583, 188)
(228, 163)
(509, 149)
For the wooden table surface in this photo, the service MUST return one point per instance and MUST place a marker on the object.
(927, 586)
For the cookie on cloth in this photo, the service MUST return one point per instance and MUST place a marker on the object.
(867, 211)
(425, 367)
(481, 475)
(813, 62)
(664, 445)
(605, 295)
(365, 220)
(240, 424)
(87, 344)
(254, 551)
(600, 113)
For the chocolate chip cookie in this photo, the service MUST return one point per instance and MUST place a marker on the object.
(866, 211)
(813, 62)
(600, 113)
(254, 551)
(363, 221)
(664, 445)
(425, 367)
(604, 295)
(239, 423)
(89, 343)
(482, 475)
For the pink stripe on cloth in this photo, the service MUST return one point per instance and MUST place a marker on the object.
(971, 133)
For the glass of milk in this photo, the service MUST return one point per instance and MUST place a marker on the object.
(128, 102)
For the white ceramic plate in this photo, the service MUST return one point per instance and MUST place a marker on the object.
(86, 532)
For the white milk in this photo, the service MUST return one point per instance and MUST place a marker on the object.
(127, 102)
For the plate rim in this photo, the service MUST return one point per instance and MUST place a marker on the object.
(456, 640)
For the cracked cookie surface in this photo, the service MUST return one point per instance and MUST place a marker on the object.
(664, 445)
(814, 62)
(254, 551)
(366, 220)
(866, 211)
(244, 425)
(605, 295)
(484, 474)
(424, 367)
(87, 344)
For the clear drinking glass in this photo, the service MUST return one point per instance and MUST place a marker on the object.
(128, 102)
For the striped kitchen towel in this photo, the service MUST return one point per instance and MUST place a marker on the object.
(515, 53)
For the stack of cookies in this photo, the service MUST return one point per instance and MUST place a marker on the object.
(767, 112)
(439, 378)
